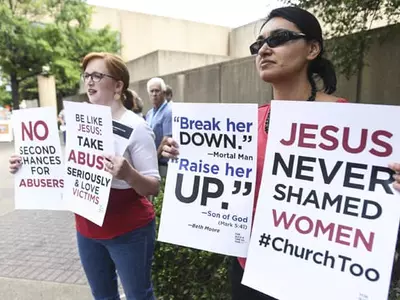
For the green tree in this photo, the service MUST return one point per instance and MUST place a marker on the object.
(352, 19)
(47, 36)
(5, 96)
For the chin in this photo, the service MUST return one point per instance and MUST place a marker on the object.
(269, 76)
(96, 100)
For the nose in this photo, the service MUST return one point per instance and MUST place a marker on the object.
(264, 50)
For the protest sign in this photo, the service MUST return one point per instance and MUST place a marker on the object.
(208, 198)
(87, 184)
(327, 215)
(39, 182)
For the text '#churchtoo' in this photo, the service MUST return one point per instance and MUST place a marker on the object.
(323, 258)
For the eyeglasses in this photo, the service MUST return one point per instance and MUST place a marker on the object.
(275, 40)
(95, 76)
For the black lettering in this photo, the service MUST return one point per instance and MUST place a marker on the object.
(349, 174)
(288, 169)
(385, 183)
(206, 193)
(348, 206)
(278, 189)
(329, 177)
(301, 167)
(178, 189)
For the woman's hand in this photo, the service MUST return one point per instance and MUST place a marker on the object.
(117, 166)
(15, 163)
(396, 167)
(169, 148)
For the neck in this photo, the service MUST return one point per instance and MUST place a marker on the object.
(117, 109)
(157, 106)
(298, 88)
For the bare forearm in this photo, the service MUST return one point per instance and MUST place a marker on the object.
(143, 185)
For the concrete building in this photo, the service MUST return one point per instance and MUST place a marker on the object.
(175, 49)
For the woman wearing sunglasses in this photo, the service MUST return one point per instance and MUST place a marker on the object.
(289, 55)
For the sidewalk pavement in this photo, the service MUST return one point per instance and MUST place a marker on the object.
(38, 253)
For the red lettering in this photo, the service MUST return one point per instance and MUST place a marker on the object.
(91, 160)
(304, 135)
(360, 236)
(308, 222)
(340, 234)
(30, 132)
(282, 217)
(52, 183)
(292, 136)
(375, 139)
(81, 158)
(329, 138)
(320, 227)
(72, 156)
(100, 162)
(363, 141)
(330, 141)
(85, 195)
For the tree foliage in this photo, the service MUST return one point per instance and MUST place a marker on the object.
(47, 37)
(346, 17)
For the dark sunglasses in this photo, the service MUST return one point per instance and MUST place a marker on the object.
(275, 40)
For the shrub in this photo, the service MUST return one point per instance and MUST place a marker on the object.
(181, 273)
(184, 273)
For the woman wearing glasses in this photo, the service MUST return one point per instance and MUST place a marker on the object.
(289, 55)
(125, 242)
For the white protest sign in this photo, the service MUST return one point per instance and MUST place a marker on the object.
(87, 184)
(327, 215)
(209, 193)
(39, 182)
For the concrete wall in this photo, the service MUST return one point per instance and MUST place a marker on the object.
(163, 62)
(242, 37)
(174, 61)
(237, 81)
(143, 67)
(141, 33)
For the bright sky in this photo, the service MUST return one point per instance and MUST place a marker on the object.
(230, 13)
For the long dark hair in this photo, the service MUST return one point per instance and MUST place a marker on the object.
(309, 25)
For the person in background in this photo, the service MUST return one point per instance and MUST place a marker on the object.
(168, 94)
(289, 55)
(159, 118)
(125, 242)
(134, 103)
(61, 120)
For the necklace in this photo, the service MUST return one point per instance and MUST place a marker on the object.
(311, 98)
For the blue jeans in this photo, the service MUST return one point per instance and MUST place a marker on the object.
(131, 254)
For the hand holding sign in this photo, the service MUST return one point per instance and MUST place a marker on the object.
(169, 148)
(15, 163)
(117, 166)
(396, 167)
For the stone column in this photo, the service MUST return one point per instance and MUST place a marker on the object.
(47, 91)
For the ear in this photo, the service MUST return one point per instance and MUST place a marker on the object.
(118, 87)
(314, 50)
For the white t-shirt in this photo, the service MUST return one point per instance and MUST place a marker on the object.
(141, 152)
